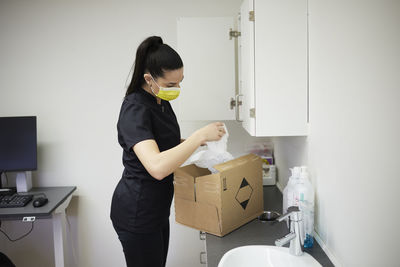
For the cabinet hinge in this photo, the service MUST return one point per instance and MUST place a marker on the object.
(252, 113)
(233, 34)
(251, 16)
(234, 102)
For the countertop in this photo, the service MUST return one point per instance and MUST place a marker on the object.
(258, 233)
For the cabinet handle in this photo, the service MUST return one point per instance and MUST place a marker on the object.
(201, 258)
(238, 103)
(202, 235)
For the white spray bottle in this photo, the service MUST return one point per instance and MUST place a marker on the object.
(288, 193)
(304, 199)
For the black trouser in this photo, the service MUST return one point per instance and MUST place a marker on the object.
(5, 261)
(145, 250)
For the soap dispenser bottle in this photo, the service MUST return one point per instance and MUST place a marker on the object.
(288, 192)
(304, 199)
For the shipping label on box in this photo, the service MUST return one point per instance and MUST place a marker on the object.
(221, 202)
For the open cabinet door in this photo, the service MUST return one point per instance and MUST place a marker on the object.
(246, 67)
(209, 68)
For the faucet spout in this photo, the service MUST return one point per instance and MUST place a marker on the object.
(284, 240)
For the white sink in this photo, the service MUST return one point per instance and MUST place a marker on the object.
(265, 256)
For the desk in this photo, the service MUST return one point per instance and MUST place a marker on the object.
(59, 198)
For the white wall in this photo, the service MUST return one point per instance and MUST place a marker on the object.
(66, 62)
(289, 152)
(353, 141)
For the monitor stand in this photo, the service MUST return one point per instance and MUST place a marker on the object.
(24, 181)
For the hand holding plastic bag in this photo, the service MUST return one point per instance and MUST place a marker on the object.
(215, 153)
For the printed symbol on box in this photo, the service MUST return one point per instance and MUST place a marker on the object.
(244, 193)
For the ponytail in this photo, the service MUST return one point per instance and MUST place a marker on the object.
(155, 57)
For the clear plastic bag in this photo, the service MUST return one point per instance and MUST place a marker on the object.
(215, 153)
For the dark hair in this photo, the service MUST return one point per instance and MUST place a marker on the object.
(155, 57)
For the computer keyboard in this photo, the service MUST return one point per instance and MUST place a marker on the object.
(14, 200)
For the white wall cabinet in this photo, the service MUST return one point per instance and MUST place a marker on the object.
(273, 67)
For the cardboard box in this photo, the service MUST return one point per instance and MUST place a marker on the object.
(221, 202)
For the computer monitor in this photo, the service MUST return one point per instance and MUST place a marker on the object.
(18, 144)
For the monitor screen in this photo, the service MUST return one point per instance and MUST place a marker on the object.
(18, 144)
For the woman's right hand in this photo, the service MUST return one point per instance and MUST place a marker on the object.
(212, 132)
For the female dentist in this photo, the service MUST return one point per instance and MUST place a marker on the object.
(149, 135)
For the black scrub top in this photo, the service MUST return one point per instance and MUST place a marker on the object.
(140, 202)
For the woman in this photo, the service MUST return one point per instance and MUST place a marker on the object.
(149, 134)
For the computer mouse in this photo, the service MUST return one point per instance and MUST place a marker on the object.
(40, 201)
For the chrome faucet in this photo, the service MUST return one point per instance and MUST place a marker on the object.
(295, 235)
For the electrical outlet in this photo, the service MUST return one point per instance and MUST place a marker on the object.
(29, 219)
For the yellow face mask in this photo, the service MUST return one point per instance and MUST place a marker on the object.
(167, 93)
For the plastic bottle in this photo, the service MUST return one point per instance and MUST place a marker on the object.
(288, 193)
(304, 199)
(285, 194)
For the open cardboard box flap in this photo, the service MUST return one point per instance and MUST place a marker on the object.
(241, 161)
